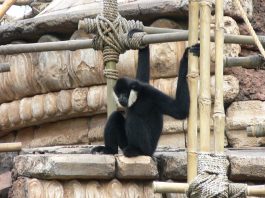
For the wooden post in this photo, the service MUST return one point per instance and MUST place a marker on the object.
(193, 76)
(110, 11)
(219, 115)
(5, 6)
(205, 95)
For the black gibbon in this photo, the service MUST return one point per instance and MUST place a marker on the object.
(138, 132)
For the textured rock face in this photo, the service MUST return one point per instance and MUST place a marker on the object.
(251, 83)
(239, 116)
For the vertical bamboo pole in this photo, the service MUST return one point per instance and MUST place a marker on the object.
(110, 11)
(5, 6)
(193, 75)
(205, 96)
(219, 115)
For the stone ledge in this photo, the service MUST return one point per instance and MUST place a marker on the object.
(246, 164)
(141, 167)
(65, 166)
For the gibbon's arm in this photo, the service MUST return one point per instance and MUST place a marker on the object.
(178, 107)
(143, 69)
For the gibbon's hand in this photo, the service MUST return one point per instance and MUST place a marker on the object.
(195, 49)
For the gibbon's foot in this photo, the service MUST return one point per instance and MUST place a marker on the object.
(131, 152)
(195, 49)
(102, 150)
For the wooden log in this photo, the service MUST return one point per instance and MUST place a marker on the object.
(64, 16)
(76, 103)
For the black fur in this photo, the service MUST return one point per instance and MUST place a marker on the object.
(138, 132)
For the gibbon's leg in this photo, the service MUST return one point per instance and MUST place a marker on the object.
(114, 135)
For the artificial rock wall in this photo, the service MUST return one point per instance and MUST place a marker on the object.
(59, 98)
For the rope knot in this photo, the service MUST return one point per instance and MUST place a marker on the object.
(112, 37)
(212, 181)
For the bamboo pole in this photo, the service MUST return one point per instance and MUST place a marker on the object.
(219, 115)
(87, 43)
(249, 62)
(256, 131)
(205, 95)
(10, 147)
(110, 11)
(4, 67)
(5, 6)
(166, 187)
(193, 75)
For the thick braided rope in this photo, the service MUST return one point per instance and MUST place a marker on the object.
(250, 28)
(111, 73)
(212, 181)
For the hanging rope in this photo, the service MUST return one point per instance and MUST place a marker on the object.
(250, 28)
(212, 181)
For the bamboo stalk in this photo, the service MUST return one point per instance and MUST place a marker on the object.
(4, 67)
(249, 62)
(167, 187)
(10, 147)
(5, 6)
(219, 115)
(164, 187)
(111, 105)
(110, 11)
(87, 43)
(256, 131)
(49, 46)
(205, 95)
(193, 75)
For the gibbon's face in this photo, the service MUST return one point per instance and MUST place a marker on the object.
(123, 94)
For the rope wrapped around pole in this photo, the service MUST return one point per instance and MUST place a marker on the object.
(111, 37)
(212, 181)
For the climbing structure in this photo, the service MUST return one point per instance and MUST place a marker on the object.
(49, 83)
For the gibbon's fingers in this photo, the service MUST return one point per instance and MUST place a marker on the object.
(116, 99)
(132, 97)
(195, 49)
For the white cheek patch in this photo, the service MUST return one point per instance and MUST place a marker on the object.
(132, 97)
(116, 99)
